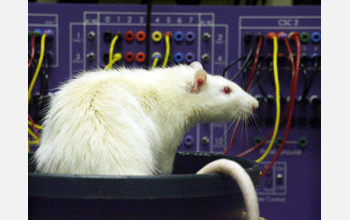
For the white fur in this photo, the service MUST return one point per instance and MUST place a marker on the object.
(131, 121)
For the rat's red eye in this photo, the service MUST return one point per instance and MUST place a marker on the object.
(227, 90)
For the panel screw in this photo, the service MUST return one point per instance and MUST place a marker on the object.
(205, 140)
(91, 35)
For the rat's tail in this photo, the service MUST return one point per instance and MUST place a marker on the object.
(243, 180)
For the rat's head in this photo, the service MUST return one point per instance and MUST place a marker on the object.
(218, 98)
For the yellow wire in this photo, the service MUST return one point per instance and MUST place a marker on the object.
(117, 56)
(42, 50)
(36, 125)
(32, 134)
(33, 142)
(111, 48)
(278, 107)
(167, 50)
(155, 61)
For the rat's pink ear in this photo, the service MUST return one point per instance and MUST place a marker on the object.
(200, 79)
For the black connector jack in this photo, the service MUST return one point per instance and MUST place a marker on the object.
(248, 38)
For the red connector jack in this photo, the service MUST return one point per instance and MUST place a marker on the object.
(270, 35)
(293, 34)
(169, 34)
(140, 36)
(140, 57)
(129, 36)
(129, 57)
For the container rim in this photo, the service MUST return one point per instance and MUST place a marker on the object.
(183, 183)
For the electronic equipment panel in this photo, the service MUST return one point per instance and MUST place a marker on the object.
(79, 37)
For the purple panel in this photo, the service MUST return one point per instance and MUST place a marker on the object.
(292, 189)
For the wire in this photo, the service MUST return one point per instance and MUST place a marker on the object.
(232, 138)
(44, 78)
(272, 78)
(167, 50)
(35, 125)
(278, 104)
(283, 115)
(148, 31)
(250, 52)
(295, 75)
(32, 54)
(245, 70)
(257, 55)
(155, 61)
(268, 137)
(314, 71)
(231, 64)
(258, 77)
(42, 51)
(303, 67)
(256, 59)
(117, 57)
(32, 134)
(33, 142)
(111, 48)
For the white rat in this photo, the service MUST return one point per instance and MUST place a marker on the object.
(131, 122)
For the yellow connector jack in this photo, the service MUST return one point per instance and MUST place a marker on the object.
(157, 36)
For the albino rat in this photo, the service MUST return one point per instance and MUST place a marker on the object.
(131, 122)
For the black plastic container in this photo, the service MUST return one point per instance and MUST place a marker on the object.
(182, 195)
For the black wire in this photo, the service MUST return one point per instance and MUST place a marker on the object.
(236, 2)
(254, 2)
(257, 74)
(148, 32)
(249, 55)
(303, 68)
(258, 77)
(263, 2)
(33, 67)
(44, 76)
(314, 71)
(270, 74)
(231, 64)
(245, 70)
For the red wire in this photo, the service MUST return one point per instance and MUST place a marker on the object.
(232, 138)
(256, 59)
(257, 55)
(32, 51)
(33, 125)
(295, 76)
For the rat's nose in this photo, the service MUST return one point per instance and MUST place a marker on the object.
(254, 104)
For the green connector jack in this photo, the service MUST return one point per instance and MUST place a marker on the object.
(302, 142)
(304, 37)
